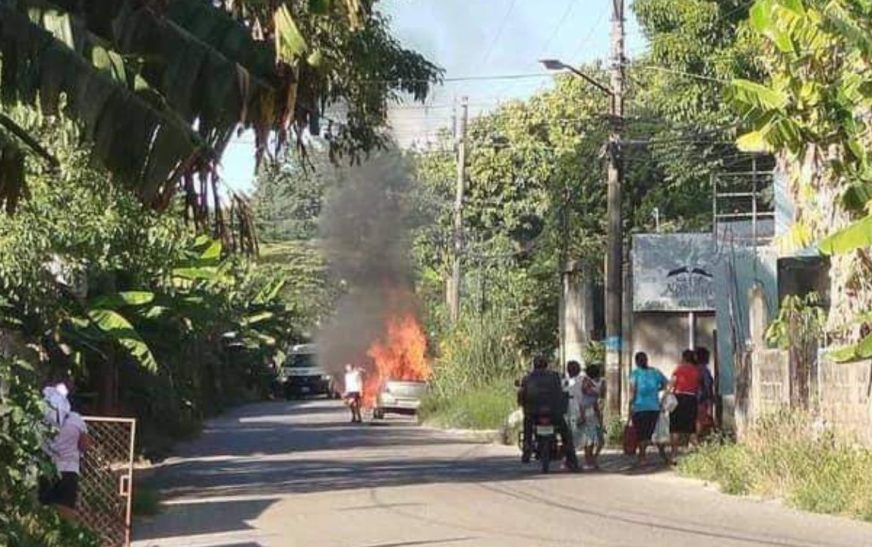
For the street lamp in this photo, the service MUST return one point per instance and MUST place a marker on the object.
(614, 232)
(554, 64)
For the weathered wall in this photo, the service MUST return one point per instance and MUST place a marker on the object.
(842, 397)
(845, 401)
(664, 335)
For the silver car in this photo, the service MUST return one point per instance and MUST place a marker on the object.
(399, 397)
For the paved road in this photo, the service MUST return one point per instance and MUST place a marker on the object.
(289, 474)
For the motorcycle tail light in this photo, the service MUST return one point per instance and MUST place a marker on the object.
(544, 421)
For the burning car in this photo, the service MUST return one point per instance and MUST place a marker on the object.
(397, 376)
(399, 397)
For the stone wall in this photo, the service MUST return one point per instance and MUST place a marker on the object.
(840, 394)
(845, 401)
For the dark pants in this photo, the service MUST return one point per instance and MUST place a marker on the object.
(560, 427)
(63, 490)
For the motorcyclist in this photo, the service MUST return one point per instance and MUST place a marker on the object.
(541, 391)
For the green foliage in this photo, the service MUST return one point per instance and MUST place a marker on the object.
(784, 458)
(800, 322)
(817, 98)
(474, 373)
(23, 521)
(482, 407)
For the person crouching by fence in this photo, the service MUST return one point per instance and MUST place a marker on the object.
(65, 449)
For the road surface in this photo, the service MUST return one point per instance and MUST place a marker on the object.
(288, 474)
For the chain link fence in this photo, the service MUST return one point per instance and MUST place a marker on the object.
(106, 482)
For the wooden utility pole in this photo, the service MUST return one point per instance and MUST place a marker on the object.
(614, 252)
(456, 274)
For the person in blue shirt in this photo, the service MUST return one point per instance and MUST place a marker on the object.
(646, 383)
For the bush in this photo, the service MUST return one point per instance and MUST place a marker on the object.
(785, 457)
(473, 380)
(484, 407)
(23, 521)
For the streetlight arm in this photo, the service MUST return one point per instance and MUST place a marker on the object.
(554, 64)
(590, 80)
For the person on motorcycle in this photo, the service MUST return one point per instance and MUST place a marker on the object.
(541, 392)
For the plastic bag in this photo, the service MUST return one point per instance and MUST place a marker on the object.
(661, 430)
(669, 402)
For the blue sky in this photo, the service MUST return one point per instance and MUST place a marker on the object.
(478, 38)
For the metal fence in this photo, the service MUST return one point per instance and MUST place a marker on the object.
(106, 482)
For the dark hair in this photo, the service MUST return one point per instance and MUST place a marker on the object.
(689, 356)
(702, 356)
(641, 359)
(593, 371)
(573, 368)
(540, 362)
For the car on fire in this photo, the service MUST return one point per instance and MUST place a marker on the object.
(399, 397)
(301, 374)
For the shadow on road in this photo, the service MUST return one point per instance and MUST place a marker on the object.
(247, 460)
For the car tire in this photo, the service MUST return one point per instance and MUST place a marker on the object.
(378, 414)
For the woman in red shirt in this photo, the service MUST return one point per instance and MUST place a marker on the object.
(685, 384)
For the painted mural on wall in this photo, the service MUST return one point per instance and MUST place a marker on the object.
(674, 272)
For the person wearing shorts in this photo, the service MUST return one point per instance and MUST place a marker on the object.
(353, 391)
(646, 383)
(685, 385)
(66, 450)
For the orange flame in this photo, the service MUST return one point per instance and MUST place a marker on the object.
(400, 354)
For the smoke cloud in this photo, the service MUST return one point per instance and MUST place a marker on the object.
(365, 227)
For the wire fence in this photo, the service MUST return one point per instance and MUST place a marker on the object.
(106, 482)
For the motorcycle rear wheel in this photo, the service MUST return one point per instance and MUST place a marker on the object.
(545, 454)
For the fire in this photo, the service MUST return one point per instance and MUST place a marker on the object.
(399, 354)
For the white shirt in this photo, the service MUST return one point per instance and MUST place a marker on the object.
(353, 382)
(573, 388)
(65, 447)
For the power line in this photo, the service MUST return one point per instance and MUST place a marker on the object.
(499, 33)
(570, 5)
(583, 42)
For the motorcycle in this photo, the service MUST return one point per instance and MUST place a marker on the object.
(543, 444)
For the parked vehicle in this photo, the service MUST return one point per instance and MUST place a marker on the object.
(301, 375)
(399, 397)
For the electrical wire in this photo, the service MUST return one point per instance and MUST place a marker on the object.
(499, 33)
(570, 5)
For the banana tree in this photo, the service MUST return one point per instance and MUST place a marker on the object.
(160, 87)
(818, 104)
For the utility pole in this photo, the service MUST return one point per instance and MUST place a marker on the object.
(454, 288)
(614, 252)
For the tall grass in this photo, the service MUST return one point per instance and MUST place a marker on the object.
(784, 457)
(472, 384)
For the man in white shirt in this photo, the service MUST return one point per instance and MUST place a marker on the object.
(353, 391)
(66, 451)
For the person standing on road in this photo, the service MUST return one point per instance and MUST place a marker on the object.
(541, 391)
(646, 383)
(573, 391)
(592, 435)
(353, 391)
(685, 385)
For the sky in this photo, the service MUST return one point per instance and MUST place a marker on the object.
(477, 38)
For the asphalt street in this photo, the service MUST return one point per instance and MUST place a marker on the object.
(297, 474)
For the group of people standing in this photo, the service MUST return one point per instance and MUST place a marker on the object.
(663, 411)
(671, 411)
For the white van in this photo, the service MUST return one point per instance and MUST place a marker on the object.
(301, 374)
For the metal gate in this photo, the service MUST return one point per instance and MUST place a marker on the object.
(106, 482)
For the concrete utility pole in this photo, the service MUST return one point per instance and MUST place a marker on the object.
(614, 252)
(454, 289)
